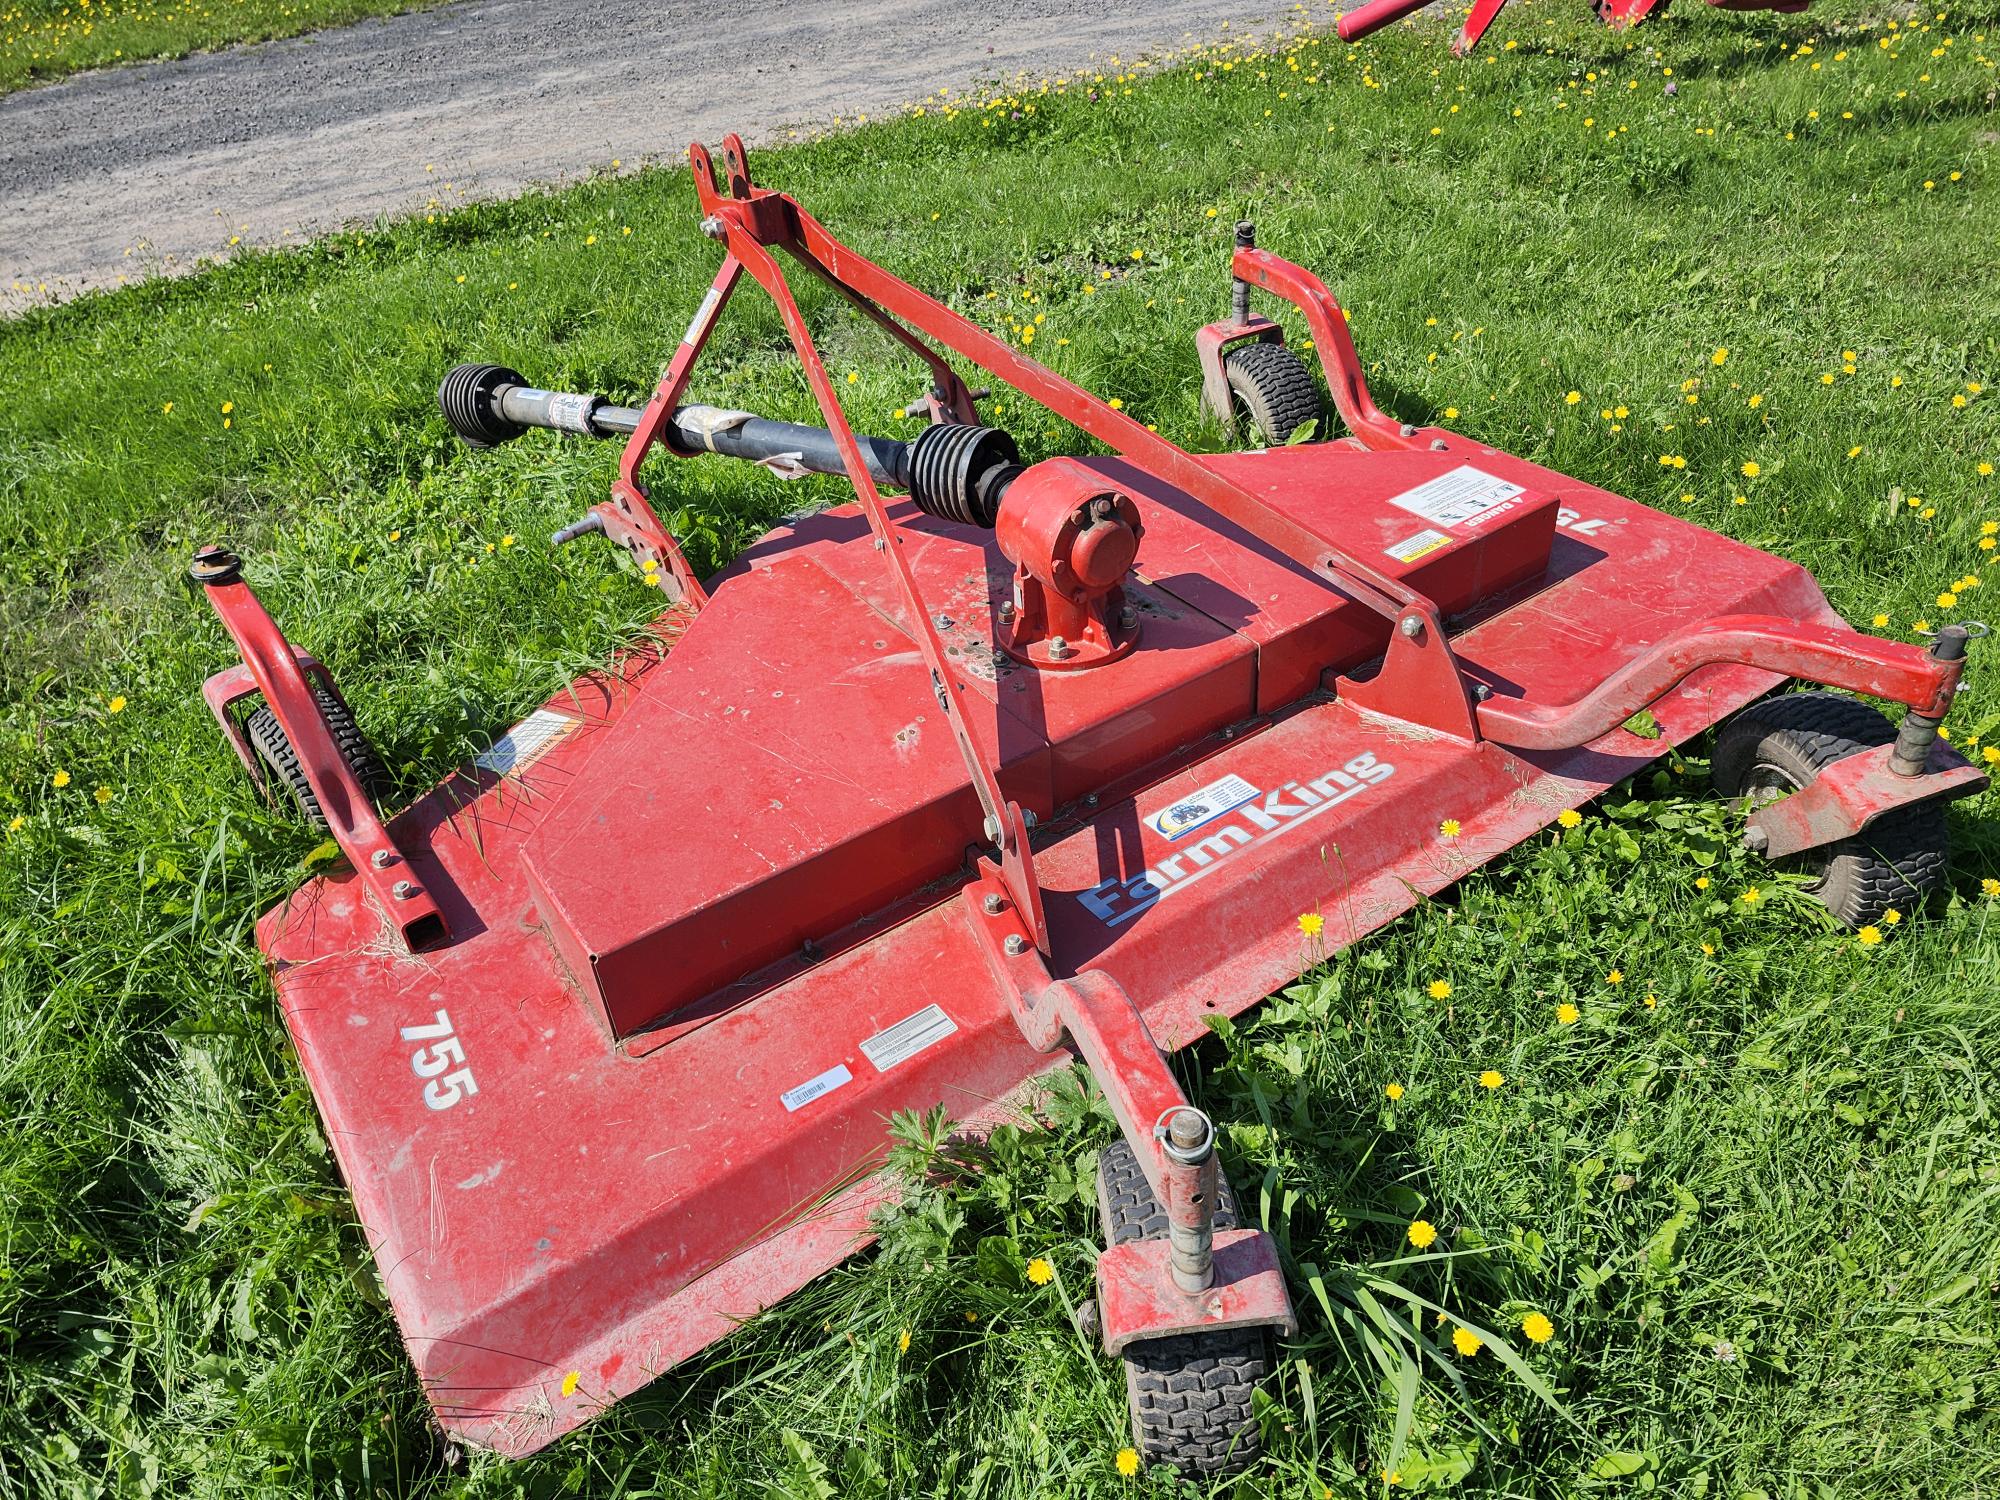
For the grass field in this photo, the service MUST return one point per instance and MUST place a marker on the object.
(1752, 1186)
(42, 39)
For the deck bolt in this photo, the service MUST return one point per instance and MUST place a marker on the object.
(993, 905)
(1481, 692)
(1438, 445)
(382, 858)
(1407, 430)
(944, 621)
(1007, 613)
(1015, 945)
(1058, 648)
(1411, 626)
(404, 889)
(1128, 618)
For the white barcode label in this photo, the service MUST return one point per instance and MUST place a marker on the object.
(527, 742)
(797, 1098)
(1410, 548)
(908, 1037)
(1459, 498)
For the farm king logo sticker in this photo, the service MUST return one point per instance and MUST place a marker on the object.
(1258, 818)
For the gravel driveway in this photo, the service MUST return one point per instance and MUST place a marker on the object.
(133, 171)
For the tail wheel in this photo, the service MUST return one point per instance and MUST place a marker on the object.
(1774, 748)
(1189, 1395)
(268, 739)
(1271, 388)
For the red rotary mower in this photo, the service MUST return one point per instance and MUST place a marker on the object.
(930, 792)
(1365, 20)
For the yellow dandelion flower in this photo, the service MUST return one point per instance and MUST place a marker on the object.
(1701, 882)
(1312, 924)
(1751, 468)
(1393, 1090)
(1448, 828)
(1652, 1000)
(1569, 817)
(569, 1382)
(1616, 976)
(1466, 1342)
(1440, 989)
(1492, 1078)
(1040, 1272)
(1573, 398)
(507, 540)
(903, 1342)
(103, 795)
(1568, 1014)
(1422, 1233)
(1751, 897)
(1708, 950)
(1115, 404)
(1720, 357)
(59, 780)
(1869, 935)
(1947, 599)
(1891, 917)
(117, 703)
(1128, 1462)
(19, 821)
(166, 407)
(1538, 1328)
(1880, 622)
(1989, 886)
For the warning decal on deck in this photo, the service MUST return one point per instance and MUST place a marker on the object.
(1410, 548)
(1461, 498)
(527, 742)
(908, 1037)
(804, 1094)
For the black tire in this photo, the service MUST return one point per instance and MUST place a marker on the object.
(1271, 388)
(275, 750)
(1189, 1395)
(1778, 746)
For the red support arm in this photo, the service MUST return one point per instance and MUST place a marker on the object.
(350, 816)
(1819, 653)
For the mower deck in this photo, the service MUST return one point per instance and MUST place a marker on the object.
(582, 1140)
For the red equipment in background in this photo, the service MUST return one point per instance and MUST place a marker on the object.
(605, 1027)
(1365, 20)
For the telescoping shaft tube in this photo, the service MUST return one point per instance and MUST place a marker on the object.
(709, 429)
(955, 471)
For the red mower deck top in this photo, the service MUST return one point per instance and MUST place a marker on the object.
(549, 1187)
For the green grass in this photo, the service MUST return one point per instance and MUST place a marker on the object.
(1758, 1213)
(44, 39)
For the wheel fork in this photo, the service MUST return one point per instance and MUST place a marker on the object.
(1197, 1278)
